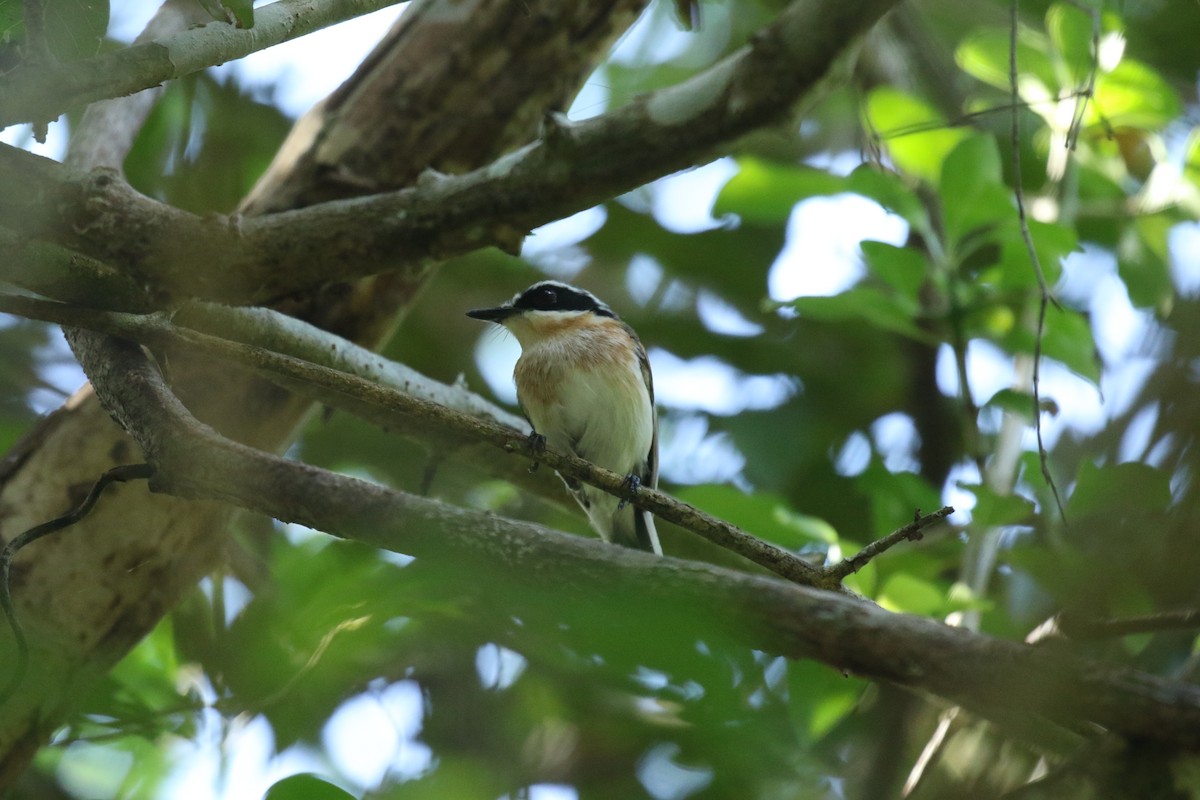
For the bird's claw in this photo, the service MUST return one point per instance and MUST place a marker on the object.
(536, 444)
(631, 485)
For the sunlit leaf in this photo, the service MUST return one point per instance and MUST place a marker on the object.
(914, 133)
(910, 595)
(1071, 32)
(985, 54)
(819, 697)
(1134, 95)
(761, 514)
(763, 193)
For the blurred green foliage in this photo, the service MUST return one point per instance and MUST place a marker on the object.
(518, 689)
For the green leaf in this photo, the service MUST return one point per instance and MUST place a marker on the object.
(74, 28)
(1144, 262)
(1070, 29)
(764, 193)
(1012, 402)
(306, 786)
(992, 509)
(765, 515)
(985, 54)
(1119, 488)
(1133, 96)
(972, 189)
(1191, 161)
(1067, 338)
(890, 191)
(863, 304)
(911, 595)
(915, 134)
(905, 269)
(1051, 241)
(894, 496)
(242, 10)
(819, 697)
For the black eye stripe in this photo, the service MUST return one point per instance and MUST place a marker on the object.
(554, 296)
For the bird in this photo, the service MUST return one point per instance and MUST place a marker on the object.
(584, 383)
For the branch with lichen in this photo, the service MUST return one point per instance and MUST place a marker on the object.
(42, 89)
(573, 166)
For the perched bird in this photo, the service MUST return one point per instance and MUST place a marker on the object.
(584, 384)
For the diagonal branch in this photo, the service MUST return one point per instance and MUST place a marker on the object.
(974, 670)
(390, 408)
(571, 167)
(40, 92)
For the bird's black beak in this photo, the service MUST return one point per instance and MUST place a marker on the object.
(497, 314)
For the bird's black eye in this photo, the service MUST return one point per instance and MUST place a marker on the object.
(545, 299)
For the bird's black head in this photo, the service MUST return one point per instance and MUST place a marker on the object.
(546, 296)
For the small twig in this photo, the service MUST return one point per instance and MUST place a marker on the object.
(912, 532)
(1027, 235)
(1015, 133)
(1043, 461)
(1083, 96)
(126, 472)
(1075, 626)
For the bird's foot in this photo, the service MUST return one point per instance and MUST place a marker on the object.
(631, 486)
(536, 444)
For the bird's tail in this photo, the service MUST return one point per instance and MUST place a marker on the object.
(634, 528)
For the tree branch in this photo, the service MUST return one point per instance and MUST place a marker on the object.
(572, 167)
(912, 532)
(40, 92)
(974, 670)
(386, 406)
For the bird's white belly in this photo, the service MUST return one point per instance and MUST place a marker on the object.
(603, 416)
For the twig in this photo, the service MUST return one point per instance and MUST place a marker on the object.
(912, 532)
(1044, 290)
(47, 92)
(1043, 461)
(127, 472)
(1075, 626)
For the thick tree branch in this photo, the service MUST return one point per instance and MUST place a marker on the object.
(392, 407)
(41, 91)
(572, 167)
(974, 670)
